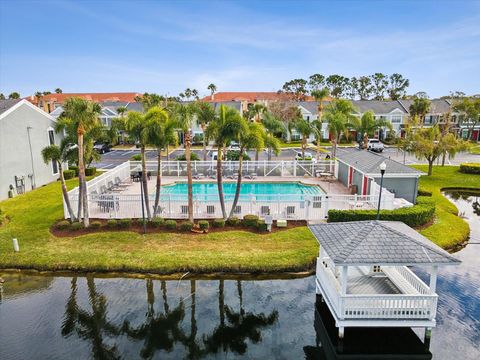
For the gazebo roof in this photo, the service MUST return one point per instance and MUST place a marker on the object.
(378, 242)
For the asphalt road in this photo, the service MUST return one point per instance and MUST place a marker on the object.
(117, 157)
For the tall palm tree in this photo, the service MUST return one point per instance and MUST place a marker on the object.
(338, 113)
(213, 88)
(304, 128)
(60, 154)
(250, 136)
(367, 124)
(317, 131)
(420, 107)
(185, 119)
(273, 128)
(205, 113)
(81, 116)
(137, 129)
(224, 128)
(161, 132)
(320, 96)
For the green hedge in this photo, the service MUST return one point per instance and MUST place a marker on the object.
(157, 222)
(250, 220)
(423, 192)
(76, 226)
(416, 215)
(218, 223)
(95, 225)
(470, 168)
(171, 224)
(68, 174)
(90, 171)
(186, 226)
(203, 224)
(63, 225)
(233, 221)
(74, 168)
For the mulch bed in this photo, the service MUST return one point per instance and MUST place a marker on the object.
(138, 228)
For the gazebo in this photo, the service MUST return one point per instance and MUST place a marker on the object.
(363, 275)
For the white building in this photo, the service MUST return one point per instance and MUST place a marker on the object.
(24, 131)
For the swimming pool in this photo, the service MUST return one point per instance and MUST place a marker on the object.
(250, 188)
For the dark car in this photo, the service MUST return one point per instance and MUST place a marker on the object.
(101, 148)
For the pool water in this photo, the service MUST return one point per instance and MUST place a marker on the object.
(259, 188)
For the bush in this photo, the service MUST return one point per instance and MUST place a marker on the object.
(74, 168)
(68, 174)
(218, 223)
(203, 224)
(470, 168)
(76, 226)
(90, 171)
(95, 224)
(112, 223)
(233, 221)
(171, 224)
(124, 223)
(250, 220)
(261, 226)
(413, 216)
(62, 225)
(157, 222)
(136, 157)
(186, 226)
(193, 157)
(422, 192)
(234, 155)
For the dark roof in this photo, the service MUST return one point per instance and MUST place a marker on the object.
(377, 106)
(7, 104)
(311, 106)
(368, 162)
(378, 242)
(437, 106)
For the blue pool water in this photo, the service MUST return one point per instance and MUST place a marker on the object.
(259, 188)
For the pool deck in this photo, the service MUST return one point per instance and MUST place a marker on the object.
(328, 186)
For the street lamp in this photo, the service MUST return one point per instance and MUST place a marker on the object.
(383, 166)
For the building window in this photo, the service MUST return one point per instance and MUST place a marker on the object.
(210, 209)
(396, 119)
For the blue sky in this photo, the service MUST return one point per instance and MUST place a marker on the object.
(165, 47)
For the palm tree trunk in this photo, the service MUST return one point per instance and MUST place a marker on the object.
(304, 145)
(443, 158)
(220, 181)
(65, 193)
(168, 155)
(82, 199)
(159, 182)
(188, 143)
(239, 182)
(430, 166)
(204, 144)
(145, 182)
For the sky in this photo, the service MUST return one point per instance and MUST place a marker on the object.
(167, 46)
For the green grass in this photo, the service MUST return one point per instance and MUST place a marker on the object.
(32, 214)
(448, 230)
(475, 150)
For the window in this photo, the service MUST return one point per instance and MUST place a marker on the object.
(396, 119)
(237, 210)
(317, 202)
(184, 209)
(210, 209)
(51, 141)
(290, 210)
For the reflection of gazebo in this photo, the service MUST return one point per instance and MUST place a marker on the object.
(362, 274)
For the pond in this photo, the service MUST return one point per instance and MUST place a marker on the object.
(84, 317)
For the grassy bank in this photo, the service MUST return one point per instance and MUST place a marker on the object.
(32, 214)
(448, 230)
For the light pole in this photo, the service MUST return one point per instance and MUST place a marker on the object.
(143, 207)
(383, 166)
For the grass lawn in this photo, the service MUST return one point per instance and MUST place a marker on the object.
(33, 213)
(448, 229)
(475, 150)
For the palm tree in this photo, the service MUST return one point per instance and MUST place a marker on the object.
(80, 116)
(161, 132)
(273, 127)
(316, 126)
(60, 154)
(250, 136)
(420, 107)
(367, 124)
(224, 128)
(137, 129)
(185, 118)
(338, 113)
(304, 128)
(213, 88)
(320, 96)
(205, 114)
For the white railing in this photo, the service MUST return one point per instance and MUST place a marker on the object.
(387, 200)
(416, 306)
(406, 280)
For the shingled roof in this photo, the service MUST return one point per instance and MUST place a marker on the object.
(378, 242)
(369, 163)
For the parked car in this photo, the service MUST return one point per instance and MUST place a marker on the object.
(375, 145)
(234, 146)
(308, 156)
(101, 148)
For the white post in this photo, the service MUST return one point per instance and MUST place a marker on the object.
(344, 280)
(16, 248)
(433, 279)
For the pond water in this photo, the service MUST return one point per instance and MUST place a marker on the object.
(84, 317)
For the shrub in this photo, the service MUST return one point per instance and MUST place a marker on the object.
(90, 171)
(62, 225)
(157, 222)
(261, 226)
(234, 155)
(413, 216)
(250, 220)
(112, 223)
(171, 224)
(124, 223)
(193, 157)
(422, 192)
(74, 168)
(95, 224)
(203, 224)
(470, 168)
(233, 221)
(218, 223)
(68, 174)
(136, 157)
(76, 226)
(186, 226)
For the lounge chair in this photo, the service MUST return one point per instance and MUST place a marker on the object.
(250, 176)
(212, 174)
(198, 175)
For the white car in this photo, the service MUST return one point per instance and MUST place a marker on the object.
(308, 156)
(375, 145)
(234, 146)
